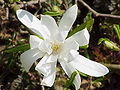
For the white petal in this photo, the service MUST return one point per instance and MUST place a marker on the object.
(50, 23)
(69, 70)
(67, 47)
(72, 55)
(41, 66)
(29, 57)
(71, 45)
(58, 37)
(45, 46)
(48, 70)
(67, 20)
(50, 78)
(45, 63)
(35, 41)
(89, 67)
(81, 37)
(32, 23)
(52, 58)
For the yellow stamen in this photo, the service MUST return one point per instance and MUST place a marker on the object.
(56, 47)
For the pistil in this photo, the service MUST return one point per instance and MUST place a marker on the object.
(56, 47)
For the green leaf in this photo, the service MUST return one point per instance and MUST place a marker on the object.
(117, 30)
(77, 29)
(53, 13)
(84, 47)
(56, 9)
(99, 79)
(109, 44)
(89, 21)
(87, 24)
(82, 74)
(101, 40)
(18, 48)
(88, 16)
(69, 82)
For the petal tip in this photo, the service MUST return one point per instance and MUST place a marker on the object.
(104, 72)
(75, 5)
(107, 70)
(18, 11)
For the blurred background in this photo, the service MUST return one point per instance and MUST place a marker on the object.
(104, 44)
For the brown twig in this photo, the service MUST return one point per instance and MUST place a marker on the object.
(75, 1)
(7, 13)
(21, 5)
(96, 13)
(40, 6)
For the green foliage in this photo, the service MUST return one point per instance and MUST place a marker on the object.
(77, 29)
(56, 11)
(18, 48)
(84, 47)
(13, 1)
(52, 13)
(69, 82)
(88, 17)
(99, 79)
(88, 23)
(82, 74)
(117, 30)
(109, 44)
(98, 82)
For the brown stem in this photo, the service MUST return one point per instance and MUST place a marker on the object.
(112, 66)
(96, 13)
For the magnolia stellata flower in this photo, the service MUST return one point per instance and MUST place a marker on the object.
(55, 47)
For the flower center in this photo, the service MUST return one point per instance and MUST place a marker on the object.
(56, 47)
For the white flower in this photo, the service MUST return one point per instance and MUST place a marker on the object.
(56, 48)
